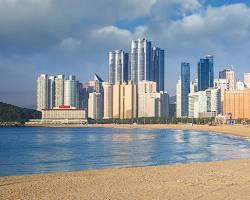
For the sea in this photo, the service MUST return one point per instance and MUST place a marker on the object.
(32, 150)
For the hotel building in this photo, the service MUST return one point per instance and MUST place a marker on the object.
(237, 104)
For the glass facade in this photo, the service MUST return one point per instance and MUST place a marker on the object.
(157, 70)
(205, 73)
(185, 88)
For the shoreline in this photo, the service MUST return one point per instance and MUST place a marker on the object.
(214, 180)
(235, 130)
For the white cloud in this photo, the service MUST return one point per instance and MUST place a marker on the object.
(70, 43)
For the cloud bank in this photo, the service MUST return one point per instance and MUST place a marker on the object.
(52, 36)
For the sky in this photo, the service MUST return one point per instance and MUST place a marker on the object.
(74, 37)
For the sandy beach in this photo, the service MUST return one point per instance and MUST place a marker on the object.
(217, 180)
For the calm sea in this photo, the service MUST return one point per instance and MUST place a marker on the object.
(43, 150)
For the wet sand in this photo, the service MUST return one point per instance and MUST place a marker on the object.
(211, 181)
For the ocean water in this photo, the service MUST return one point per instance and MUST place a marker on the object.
(43, 150)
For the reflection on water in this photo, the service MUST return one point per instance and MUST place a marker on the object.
(42, 150)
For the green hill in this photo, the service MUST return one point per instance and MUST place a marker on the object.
(11, 113)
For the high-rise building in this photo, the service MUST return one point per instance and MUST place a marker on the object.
(185, 88)
(125, 100)
(197, 104)
(205, 73)
(178, 99)
(95, 85)
(194, 86)
(147, 99)
(95, 106)
(118, 66)
(204, 104)
(158, 68)
(51, 92)
(59, 90)
(237, 104)
(247, 79)
(213, 101)
(107, 101)
(42, 92)
(141, 60)
(223, 85)
(231, 76)
(162, 104)
(71, 92)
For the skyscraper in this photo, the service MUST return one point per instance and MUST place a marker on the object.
(158, 68)
(59, 90)
(107, 101)
(42, 92)
(118, 66)
(178, 99)
(95, 106)
(141, 60)
(231, 76)
(147, 99)
(51, 92)
(185, 88)
(205, 73)
(71, 92)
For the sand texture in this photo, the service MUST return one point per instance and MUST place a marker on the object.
(224, 180)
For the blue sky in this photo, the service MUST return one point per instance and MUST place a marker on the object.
(74, 37)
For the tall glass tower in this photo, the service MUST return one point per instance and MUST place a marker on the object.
(205, 73)
(141, 60)
(158, 68)
(185, 88)
(118, 66)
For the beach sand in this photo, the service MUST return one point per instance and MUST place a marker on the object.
(224, 180)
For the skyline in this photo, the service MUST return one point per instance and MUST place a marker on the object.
(187, 31)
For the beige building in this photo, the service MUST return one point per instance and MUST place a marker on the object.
(230, 75)
(107, 101)
(59, 90)
(150, 102)
(124, 100)
(237, 104)
(147, 96)
(42, 92)
(64, 115)
(95, 106)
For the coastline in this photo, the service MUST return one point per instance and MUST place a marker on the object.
(235, 130)
(215, 180)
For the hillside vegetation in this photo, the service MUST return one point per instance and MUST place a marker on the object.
(11, 113)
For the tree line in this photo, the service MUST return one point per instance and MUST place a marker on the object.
(11, 113)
